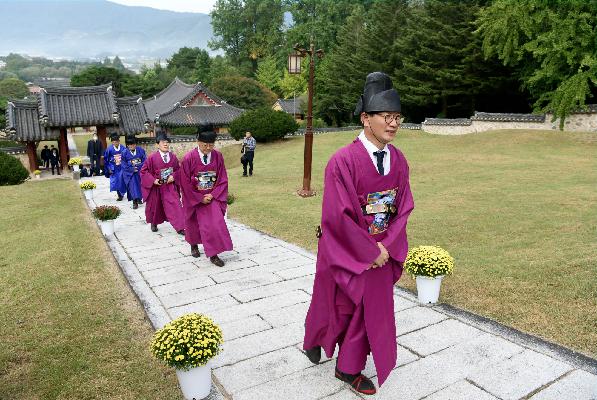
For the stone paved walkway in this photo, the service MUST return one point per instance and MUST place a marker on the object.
(260, 299)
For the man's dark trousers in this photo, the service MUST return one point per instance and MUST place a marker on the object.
(248, 160)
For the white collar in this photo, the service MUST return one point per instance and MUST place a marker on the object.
(371, 148)
(116, 148)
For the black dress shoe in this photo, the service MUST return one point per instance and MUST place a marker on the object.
(180, 232)
(119, 198)
(314, 354)
(359, 382)
(217, 261)
(135, 205)
(154, 228)
(195, 251)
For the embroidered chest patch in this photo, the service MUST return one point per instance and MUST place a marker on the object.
(207, 180)
(135, 161)
(165, 173)
(379, 200)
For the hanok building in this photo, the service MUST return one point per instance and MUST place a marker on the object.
(184, 105)
(59, 108)
(293, 107)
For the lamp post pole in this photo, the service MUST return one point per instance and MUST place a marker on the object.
(306, 190)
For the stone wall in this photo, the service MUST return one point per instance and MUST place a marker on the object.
(482, 122)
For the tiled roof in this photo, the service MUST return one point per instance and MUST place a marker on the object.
(77, 106)
(168, 98)
(290, 106)
(503, 117)
(447, 121)
(133, 117)
(200, 115)
(22, 122)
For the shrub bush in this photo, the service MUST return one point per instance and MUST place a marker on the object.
(317, 123)
(265, 124)
(12, 171)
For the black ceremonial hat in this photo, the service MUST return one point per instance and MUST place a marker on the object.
(130, 139)
(378, 95)
(206, 134)
(114, 136)
(162, 136)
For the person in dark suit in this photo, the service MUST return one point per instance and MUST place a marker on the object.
(86, 171)
(55, 159)
(45, 157)
(95, 150)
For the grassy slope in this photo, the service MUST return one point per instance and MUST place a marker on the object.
(517, 210)
(71, 327)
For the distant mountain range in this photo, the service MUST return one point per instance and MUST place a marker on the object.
(97, 28)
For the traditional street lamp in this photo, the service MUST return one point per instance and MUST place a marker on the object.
(294, 67)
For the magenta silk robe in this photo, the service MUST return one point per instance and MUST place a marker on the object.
(204, 223)
(162, 203)
(348, 247)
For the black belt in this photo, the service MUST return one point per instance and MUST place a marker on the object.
(378, 209)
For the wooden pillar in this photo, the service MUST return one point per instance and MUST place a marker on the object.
(63, 148)
(32, 154)
(102, 135)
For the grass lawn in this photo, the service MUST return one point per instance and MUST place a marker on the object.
(71, 327)
(516, 209)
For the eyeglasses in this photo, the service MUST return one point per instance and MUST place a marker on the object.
(388, 118)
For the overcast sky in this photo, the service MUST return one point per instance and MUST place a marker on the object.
(199, 6)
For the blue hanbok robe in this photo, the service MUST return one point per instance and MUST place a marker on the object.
(113, 168)
(131, 166)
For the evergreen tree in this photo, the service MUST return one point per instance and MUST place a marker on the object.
(340, 76)
(268, 73)
(552, 45)
(430, 56)
(202, 67)
(117, 64)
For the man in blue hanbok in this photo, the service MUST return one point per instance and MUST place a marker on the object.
(113, 167)
(133, 159)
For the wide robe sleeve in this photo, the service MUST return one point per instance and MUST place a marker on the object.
(148, 177)
(220, 189)
(345, 243)
(188, 183)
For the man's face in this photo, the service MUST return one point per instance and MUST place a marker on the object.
(115, 143)
(383, 125)
(248, 135)
(94, 137)
(205, 148)
(164, 146)
(131, 147)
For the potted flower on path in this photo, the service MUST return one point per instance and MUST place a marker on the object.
(188, 343)
(106, 216)
(37, 173)
(75, 162)
(87, 188)
(428, 264)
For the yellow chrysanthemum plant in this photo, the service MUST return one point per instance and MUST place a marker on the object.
(87, 185)
(75, 161)
(430, 261)
(187, 342)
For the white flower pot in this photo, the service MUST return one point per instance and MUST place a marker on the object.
(88, 194)
(37, 176)
(107, 227)
(75, 167)
(196, 382)
(428, 288)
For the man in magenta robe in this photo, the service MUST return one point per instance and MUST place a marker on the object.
(362, 245)
(204, 184)
(159, 177)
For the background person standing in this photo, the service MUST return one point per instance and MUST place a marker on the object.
(95, 150)
(248, 149)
